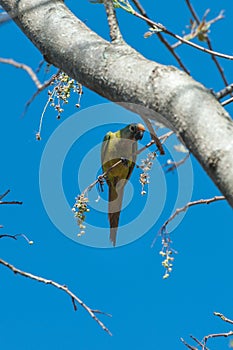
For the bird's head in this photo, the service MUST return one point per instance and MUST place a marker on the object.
(136, 131)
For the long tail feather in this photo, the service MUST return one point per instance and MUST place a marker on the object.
(114, 209)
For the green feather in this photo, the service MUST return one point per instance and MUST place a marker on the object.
(115, 146)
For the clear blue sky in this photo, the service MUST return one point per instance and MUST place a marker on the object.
(147, 311)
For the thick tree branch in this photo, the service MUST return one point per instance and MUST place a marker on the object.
(122, 75)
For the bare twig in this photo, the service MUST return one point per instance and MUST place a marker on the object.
(115, 33)
(64, 288)
(190, 204)
(23, 66)
(6, 235)
(162, 139)
(101, 177)
(162, 28)
(4, 194)
(197, 341)
(220, 69)
(74, 305)
(203, 343)
(140, 8)
(215, 335)
(161, 38)
(38, 91)
(224, 318)
(200, 28)
(173, 52)
(224, 92)
(101, 312)
(188, 345)
(153, 135)
(8, 202)
(193, 12)
(226, 102)
(172, 165)
(195, 16)
(163, 232)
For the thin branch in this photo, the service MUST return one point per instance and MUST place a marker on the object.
(224, 92)
(200, 28)
(102, 176)
(162, 138)
(190, 204)
(153, 135)
(203, 343)
(23, 66)
(173, 52)
(17, 235)
(224, 318)
(216, 335)
(38, 91)
(161, 27)
(4, 194)
(115, 33)
(64, 288)
(193, 12)
(162, 230)
(11, 202)
(226, 102)
(140, 8)
(8, 202)
(74, 305)
(161, 38)
(8, 236)
(188, 345)
(195, 16)
(220, 69)
(174, 165)
(198, 342)
(101, 312)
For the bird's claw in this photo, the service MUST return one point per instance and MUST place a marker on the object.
(101, 183)
(125, 161)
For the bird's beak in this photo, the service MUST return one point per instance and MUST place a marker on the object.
(140, 132)
(139, 135)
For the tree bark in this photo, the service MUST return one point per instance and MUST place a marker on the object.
(122, 75)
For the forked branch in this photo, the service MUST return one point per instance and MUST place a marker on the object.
(74, 298)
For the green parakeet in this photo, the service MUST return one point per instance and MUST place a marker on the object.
(119, 145)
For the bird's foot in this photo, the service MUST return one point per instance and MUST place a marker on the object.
(125, 161)
(101, 183)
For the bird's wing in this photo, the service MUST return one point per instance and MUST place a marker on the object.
(134, 156)
(104, 148)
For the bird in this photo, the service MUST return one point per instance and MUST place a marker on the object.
(119, 147)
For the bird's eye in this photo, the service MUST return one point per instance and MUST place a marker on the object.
(132, 128)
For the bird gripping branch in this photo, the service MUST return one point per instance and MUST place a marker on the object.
(116, 146)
